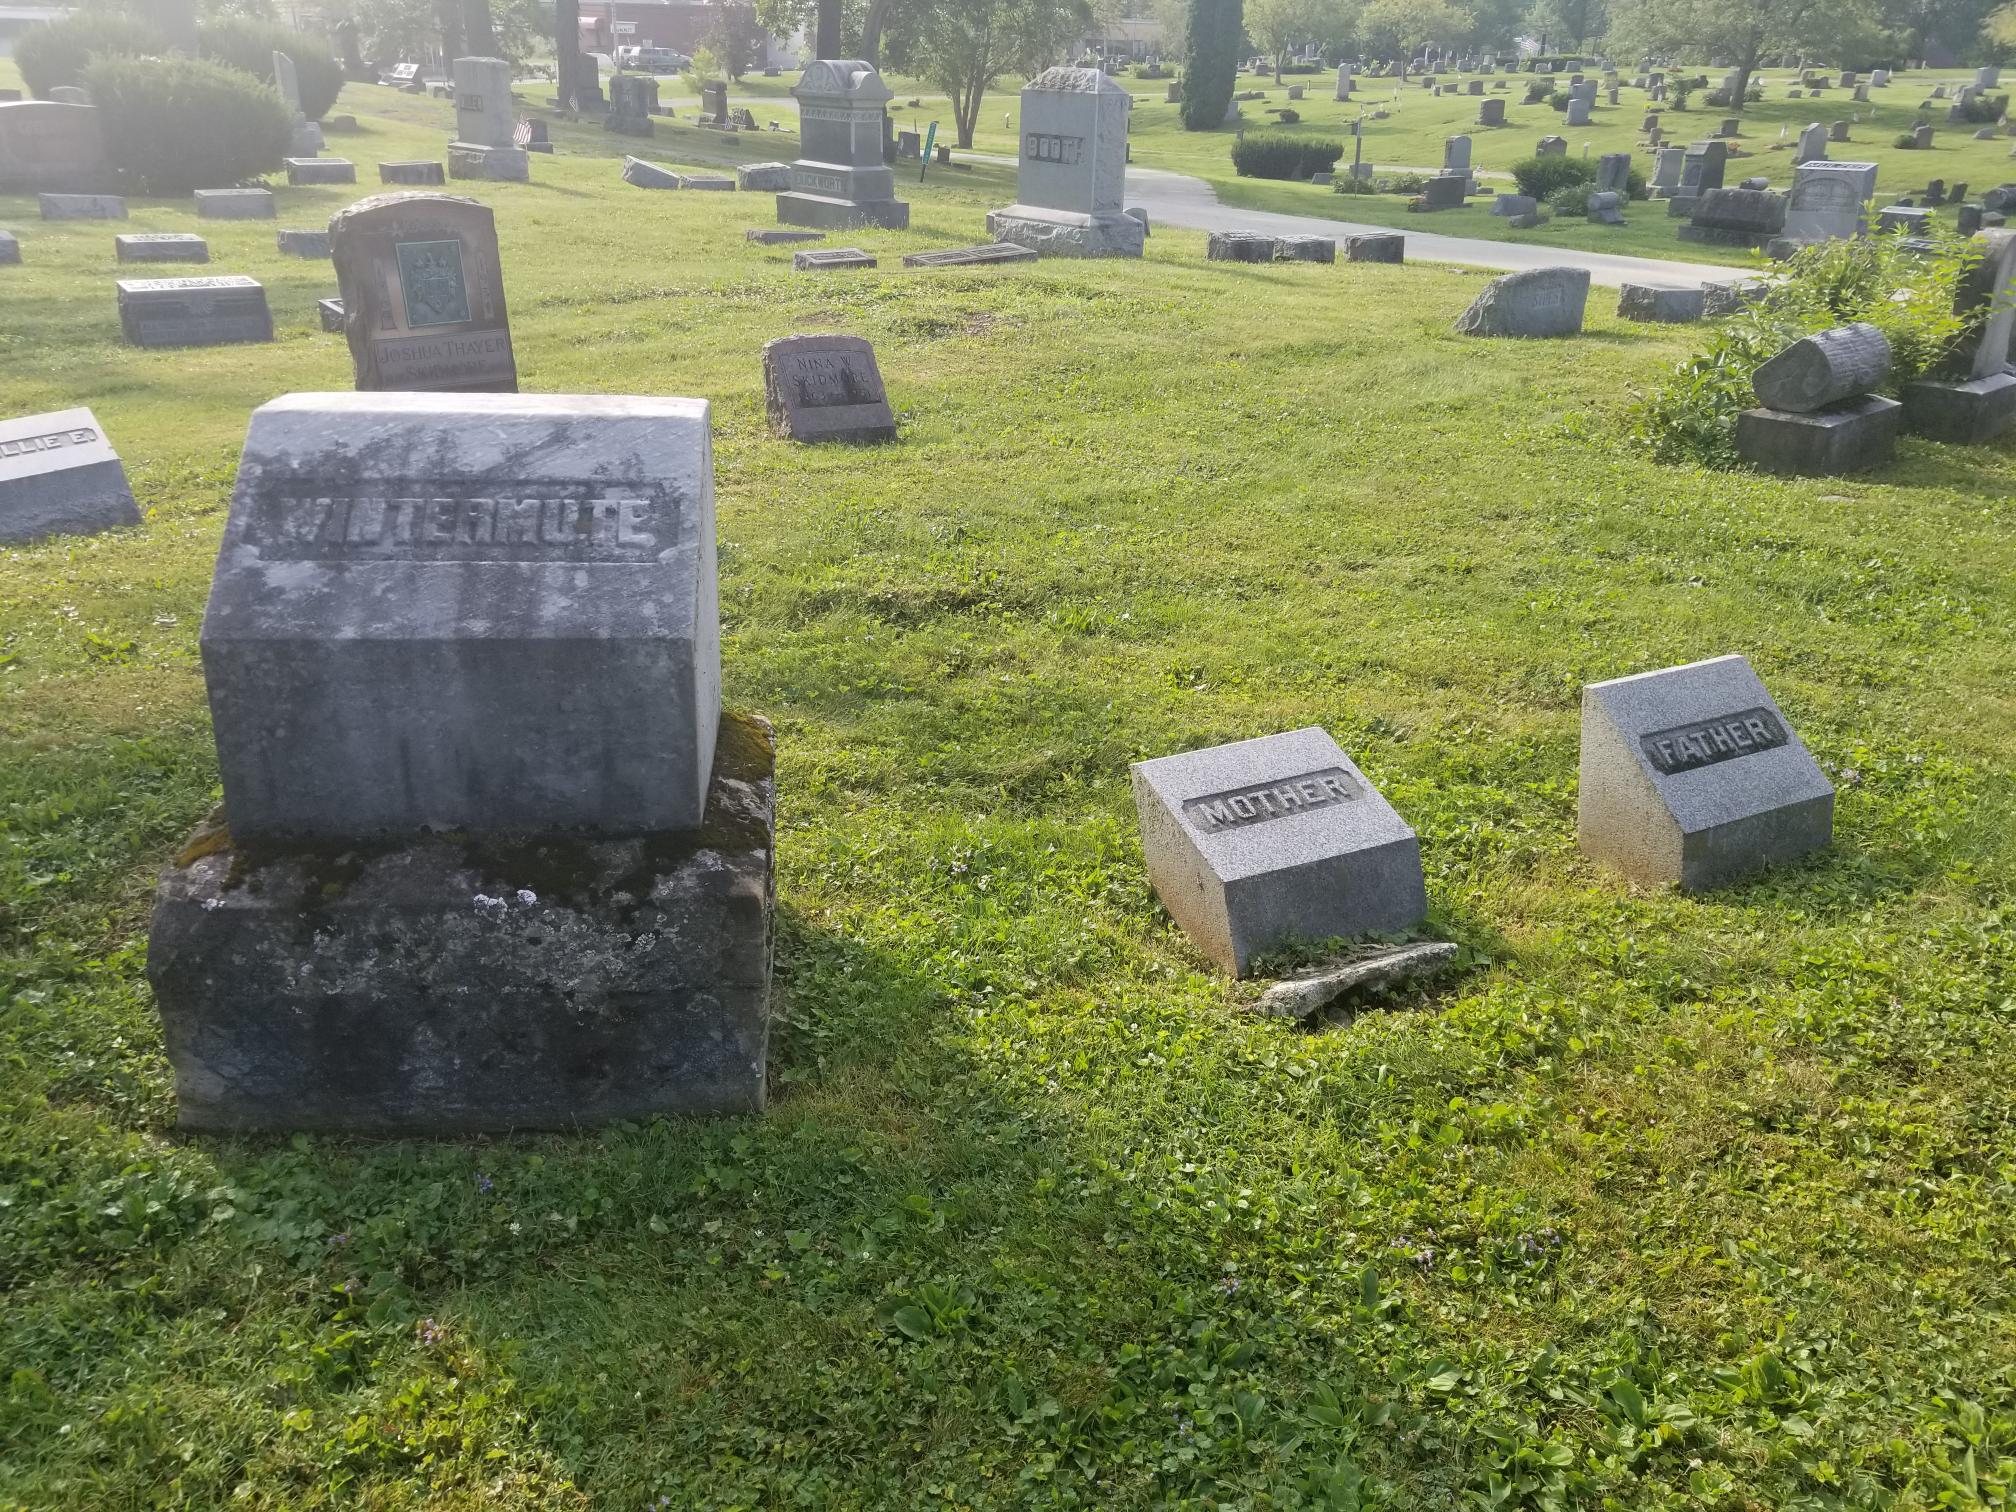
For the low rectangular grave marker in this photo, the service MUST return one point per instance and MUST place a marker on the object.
(1255, 843)
(173, 312)
(161, 246)
(60, 476)
(1692, 775)
(826, 388)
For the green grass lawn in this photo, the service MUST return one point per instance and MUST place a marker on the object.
(1656, 1202)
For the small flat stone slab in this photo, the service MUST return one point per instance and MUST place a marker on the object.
(304, 243)
(1693, 776)
(834, 257)
(1257, 843)
(235, 204)
(161, 246)
(966, 257)
(708, 181)
(1319, 249)
(179, 312)
(771, 237)
(1660, 304)
(81, 206)
(412, 171)
(1375, 247)
(1241, 246)
(647, 175)
(1303, 996)
(826, 388)
(60, 476)
(766, 178)
(331, 311)
(321, 170)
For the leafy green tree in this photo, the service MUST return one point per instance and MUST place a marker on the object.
(964, 46)
(1743, 31)
(1278, 27)
(1569, 25)
(1210, 62)
(1401, 28)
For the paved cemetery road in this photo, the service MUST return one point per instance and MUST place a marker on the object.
(1177, 199)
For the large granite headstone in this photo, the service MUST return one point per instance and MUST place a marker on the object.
(826, 388)
(1693, 776)
(1735, 217)
(423, 294)
(839, 178)
(1070, 182)
(633, 101)
(1262, 842)
(60, 476)
(47, 146)
(1827, 199)
(490, 856)
(485, 144)
(181, 312)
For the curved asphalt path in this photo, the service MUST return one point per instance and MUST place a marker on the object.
(1177, 199)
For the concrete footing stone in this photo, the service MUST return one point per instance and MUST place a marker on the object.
(1966, 414)
(1067, 233)
(444, 985)
(1821, 444)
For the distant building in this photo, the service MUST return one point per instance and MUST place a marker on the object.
(682, 25)
(1134, 34)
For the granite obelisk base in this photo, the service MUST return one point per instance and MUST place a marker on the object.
(449, 985)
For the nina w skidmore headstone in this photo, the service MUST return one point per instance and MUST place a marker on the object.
(1260, 842)
(826, 388)
(1693, 776)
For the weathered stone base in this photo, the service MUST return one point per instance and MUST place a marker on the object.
(451, 986)
(796, 208)
(1817, 446)
(1967, 414)
(67, 501)
(411, 171)
(970, 257)
(1066, 233)
(1662, 304)
(472, 160)
(1375, 246)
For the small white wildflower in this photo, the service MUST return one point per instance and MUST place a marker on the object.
(527, 896)
(484, 900)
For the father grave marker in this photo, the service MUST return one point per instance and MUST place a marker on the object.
(1693, 776)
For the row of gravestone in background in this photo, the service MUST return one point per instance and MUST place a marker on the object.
(492, 856)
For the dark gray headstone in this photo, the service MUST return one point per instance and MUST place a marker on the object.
(1661, 304)
(424, 290)
(412, 171)
(1824, 368)
(81, 206)
(1241, 246)
(487, 613)
(161, 246)
(60, 476)
(1257, 843)
(1374, 246)
(1693, 776)
(179, 312)
(826, 388)
(1536, 302)
(1847, 438)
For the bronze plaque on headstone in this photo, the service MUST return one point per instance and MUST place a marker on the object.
(423, 294)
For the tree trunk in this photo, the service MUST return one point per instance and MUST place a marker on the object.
(448, 17)
(826, 36)
(477, 30)
(566, 49)
(1742, 90)
(871, 31)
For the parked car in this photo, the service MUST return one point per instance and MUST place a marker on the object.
(655, 60)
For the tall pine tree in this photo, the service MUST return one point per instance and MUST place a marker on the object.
(1211, 61)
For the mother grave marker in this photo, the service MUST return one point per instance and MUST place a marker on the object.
(1253, 844)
